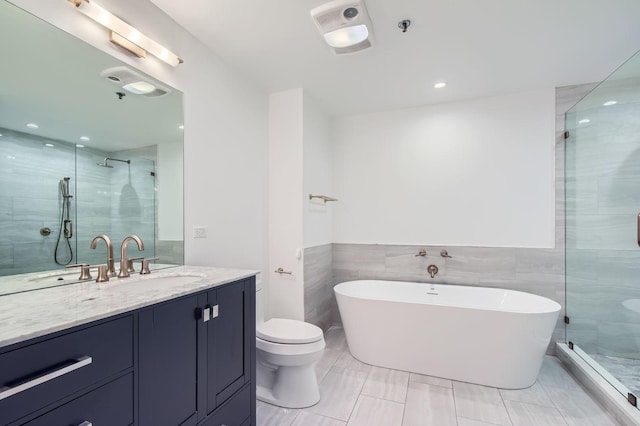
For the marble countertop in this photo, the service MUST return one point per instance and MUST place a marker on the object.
(36, 313)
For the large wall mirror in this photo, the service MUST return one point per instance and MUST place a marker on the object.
(82, 153)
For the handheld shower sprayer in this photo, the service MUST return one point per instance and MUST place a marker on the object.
(66, 224)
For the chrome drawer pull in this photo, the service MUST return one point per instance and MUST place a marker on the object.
(7, 391)
(86, 424)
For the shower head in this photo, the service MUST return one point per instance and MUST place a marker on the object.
(106, 164)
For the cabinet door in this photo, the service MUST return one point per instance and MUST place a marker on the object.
(229, 342)
(167, 363)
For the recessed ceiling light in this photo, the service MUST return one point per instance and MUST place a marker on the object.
(78, 145)
(32, 125)
(609, 103)
(49, 144)
(584, 121)
(139, 87)
(181, 127)
(85, 138)
(440, 85)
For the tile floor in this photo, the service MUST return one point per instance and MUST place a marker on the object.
(624, 369)
(354, 394)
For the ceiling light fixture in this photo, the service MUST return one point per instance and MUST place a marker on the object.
(344, 25)
(124, 35)
(440, 85)
(347, 36)
(609, 103)
(139, 87)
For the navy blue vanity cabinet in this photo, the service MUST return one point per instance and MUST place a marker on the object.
(109, 405)
(229, 342)
(38, 375)
(196, 359)
(167, 363)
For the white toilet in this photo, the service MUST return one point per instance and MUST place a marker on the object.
(287, 351)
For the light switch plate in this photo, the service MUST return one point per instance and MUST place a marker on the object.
(199, 232)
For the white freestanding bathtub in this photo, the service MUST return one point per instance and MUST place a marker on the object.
(488, 336)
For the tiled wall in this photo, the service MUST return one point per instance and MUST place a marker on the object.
(319, 302)
(30, 172)
(538, 271)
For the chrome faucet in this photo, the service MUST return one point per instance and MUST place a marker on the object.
(111, 271)
(124, 267)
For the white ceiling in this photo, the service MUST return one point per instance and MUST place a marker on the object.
(480, 47)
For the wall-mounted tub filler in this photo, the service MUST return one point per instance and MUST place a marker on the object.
(432, 270)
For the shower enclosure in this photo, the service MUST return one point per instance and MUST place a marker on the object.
(56, 197)
(602, 200)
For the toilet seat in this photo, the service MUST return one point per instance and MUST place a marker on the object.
(287, 331)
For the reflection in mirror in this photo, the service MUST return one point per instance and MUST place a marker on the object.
(82, 153)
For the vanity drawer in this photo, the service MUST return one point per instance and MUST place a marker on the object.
(234, 412)
(109, 405)
(40, 374)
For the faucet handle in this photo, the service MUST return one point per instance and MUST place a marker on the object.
(145, 265)
(103, 273)
(422, 253)
(130, 267)
(85, 274)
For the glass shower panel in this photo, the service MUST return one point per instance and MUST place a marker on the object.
(116, 199)
(602, 196)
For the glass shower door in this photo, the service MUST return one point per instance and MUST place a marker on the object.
(602, 200)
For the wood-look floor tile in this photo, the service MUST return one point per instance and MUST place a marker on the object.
(429, 405)
(523, 414)
(386, 384)
(371, 411)
(480, 403)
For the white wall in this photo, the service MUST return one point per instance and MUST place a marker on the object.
(225, 137)
(170, 184)
(286, 292)
(317, 169)
(473, 173)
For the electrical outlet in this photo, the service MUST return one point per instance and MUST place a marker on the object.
(199, 232)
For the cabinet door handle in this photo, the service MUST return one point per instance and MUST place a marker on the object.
(86, 424)
(206, 314)
(214, 312)
(7, 391)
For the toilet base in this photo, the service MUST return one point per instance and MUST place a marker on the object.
(289, 387)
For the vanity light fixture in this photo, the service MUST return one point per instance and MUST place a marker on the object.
(584, 121)
(181, 127)
(344, 25)
(124, 35)
(84, 139)
(50, 145)
(32, 125)
(78, 145)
